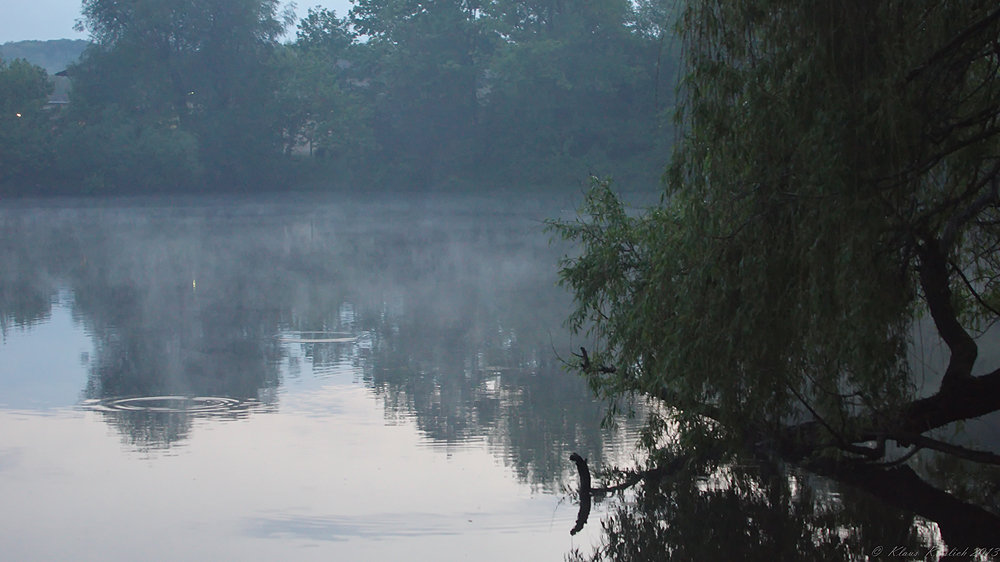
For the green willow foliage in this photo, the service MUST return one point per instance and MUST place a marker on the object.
(835, 154)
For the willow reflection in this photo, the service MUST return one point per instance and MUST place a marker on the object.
(753, 510)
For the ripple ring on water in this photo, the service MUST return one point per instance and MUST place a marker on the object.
(317, 337)
(172, 404)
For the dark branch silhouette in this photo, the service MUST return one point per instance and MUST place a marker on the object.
(585, 491)
(586, 365)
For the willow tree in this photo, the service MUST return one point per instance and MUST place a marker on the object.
(836, 185)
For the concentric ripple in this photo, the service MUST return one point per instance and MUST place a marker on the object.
(192, 405)
(317, 337)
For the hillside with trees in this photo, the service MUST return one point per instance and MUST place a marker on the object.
(54, 56)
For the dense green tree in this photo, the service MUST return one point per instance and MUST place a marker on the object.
(837, 183)
(111, 151)
(514, 91)
(322, 31)
(326, 112)
(426, 60)
(576, 91)
(401, 92)
(24, 126)
(204, 67)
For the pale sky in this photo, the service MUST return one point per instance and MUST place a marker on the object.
(21, 20)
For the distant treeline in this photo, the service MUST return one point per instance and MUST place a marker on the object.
(417, 94)
(54, 56)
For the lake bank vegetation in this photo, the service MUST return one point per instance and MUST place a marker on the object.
(836, 188)
(201, 94)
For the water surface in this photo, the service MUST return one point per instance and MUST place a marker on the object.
(343, 378)
(299, 378)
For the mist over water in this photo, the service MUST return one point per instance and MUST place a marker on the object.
(331, 377)
(227, 376)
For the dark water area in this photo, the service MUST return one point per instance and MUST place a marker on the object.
(333, 377)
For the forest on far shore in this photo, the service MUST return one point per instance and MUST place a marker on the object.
(410, 94)
(54, 56)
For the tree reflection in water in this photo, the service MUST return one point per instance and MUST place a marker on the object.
(452, 315)
(502, 384)
(159, 422)
(450, 305)
(755, 511)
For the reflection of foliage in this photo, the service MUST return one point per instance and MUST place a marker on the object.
(25, 297)
(155, 337)
(205, 344)
(473, 379)
(30, 254)
(150, 430)
(754, 512)
(969, 482)
(166, 312)
(159, 422)
(452, 309)
(454, 320)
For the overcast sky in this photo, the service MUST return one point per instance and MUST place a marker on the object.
(21, 20)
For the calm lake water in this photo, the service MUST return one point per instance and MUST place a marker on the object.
(338, 378)
(293, 378)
